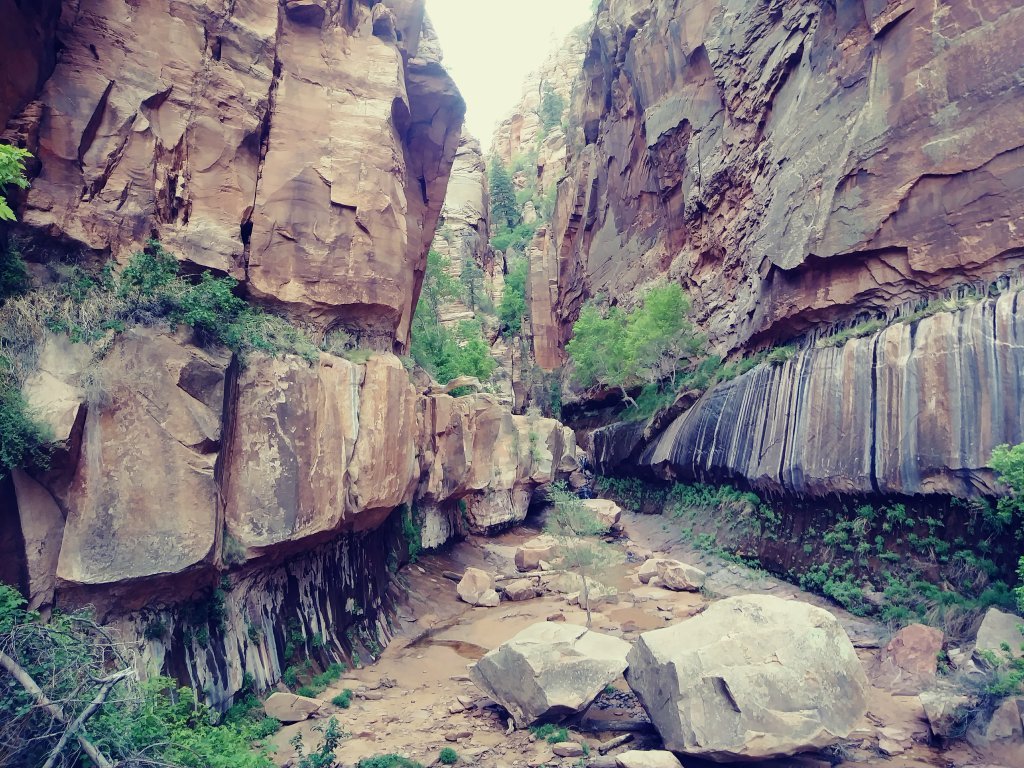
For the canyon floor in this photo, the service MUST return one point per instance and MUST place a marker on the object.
(417, 698)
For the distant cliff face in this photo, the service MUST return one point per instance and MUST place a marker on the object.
(301, 146)
(793, 163)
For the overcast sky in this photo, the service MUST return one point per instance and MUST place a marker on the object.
(491, 45)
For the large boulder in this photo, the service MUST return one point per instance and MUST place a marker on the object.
(550, 670)
(946, 711)
(606, 511)
(290, 708)
(477, 588)
(997, 629)
(636, 758)
(909, 662)
(751, 678)
(680, 577)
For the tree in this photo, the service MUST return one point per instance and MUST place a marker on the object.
(473, 282)
(512, 310)
(552, 106)
(576, 529)
(12, 172)
(505, 213)
(1008, 463)
(622, 349)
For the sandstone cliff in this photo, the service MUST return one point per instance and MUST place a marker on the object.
(229, 513)
(792, 163)
(302, 147)
(798, 168)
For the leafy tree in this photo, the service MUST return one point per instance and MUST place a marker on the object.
(446, 354)
(505, 213)
(12, 172)
(551, 107)
(623, 349)
(1008, 462)
(512, 309)
(576, 529)
(472, 278)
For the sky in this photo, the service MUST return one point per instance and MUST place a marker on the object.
(491, 45)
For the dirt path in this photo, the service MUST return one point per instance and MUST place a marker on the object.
(418, 699)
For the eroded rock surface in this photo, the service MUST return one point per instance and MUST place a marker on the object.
(750, 678)
(550, 670)
(295, 149)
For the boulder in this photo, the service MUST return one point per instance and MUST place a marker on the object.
(680, 577)
(550, 670)
(752, 677)
(649, 569)
(520, 589)
(530, 554)
(997, 629)
(605, 510)
(567, 749)
(289, 708)
(477, 588)
(1004, 729)
(657, 758)
(946, 712)
(909, 662)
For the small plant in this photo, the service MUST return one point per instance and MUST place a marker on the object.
(12, 173)
(155, 629)
(448, 756)
(388, 761)
(550, 733)
(343, 699)
(411, 533)
(323, 756)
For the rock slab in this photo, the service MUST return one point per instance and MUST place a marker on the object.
(477, 588)
(550, 670)
(753, 677)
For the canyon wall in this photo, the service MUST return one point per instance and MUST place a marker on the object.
(800, 167)
(792, 163)
(301, 147)
(235, 513)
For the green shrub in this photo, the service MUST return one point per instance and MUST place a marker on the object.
(12, 173)
(550, 733)
(448, 756)
(512, 310)
(388, 761)
(24, 440)
(343, 699)
(14, 279)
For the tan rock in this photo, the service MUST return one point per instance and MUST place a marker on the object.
(567, 749)
(477, 588)
(1005, 728)
(42, 529)
(605, 510)
(647, 759)
(529, 554)
(520, 589)
(997, 629)
(125, 520)
(946, 711)
(289, 708)
(680, 577)
(751, 677)
(909, 663)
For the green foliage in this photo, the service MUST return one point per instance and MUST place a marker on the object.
(504, 209)
(388, 761)
(550, 733)
(512, 310)
(859, 331)
(622, 349)
(67, 656)
(517, 238)
(14, 279)
(411, 533)
(448, 756)
(1009, 465)
(322, 756)
(551, 107)
(343, 699)
(12, 173)
(443, 353)
(24, 440)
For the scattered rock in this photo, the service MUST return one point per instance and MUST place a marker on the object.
(550, 670)
(635, 758)
(529, 554)
(752, 677)
(946, 711)
(520, 589)
(567, 749)
(649, 569)
(289, 708)
(477, 588)
(999, 628)
(680, 577)
(605, 510)
(909, 662)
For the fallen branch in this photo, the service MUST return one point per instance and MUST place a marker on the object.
(106, 684)
(25, 680)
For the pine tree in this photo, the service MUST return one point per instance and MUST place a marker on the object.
(505, 212)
